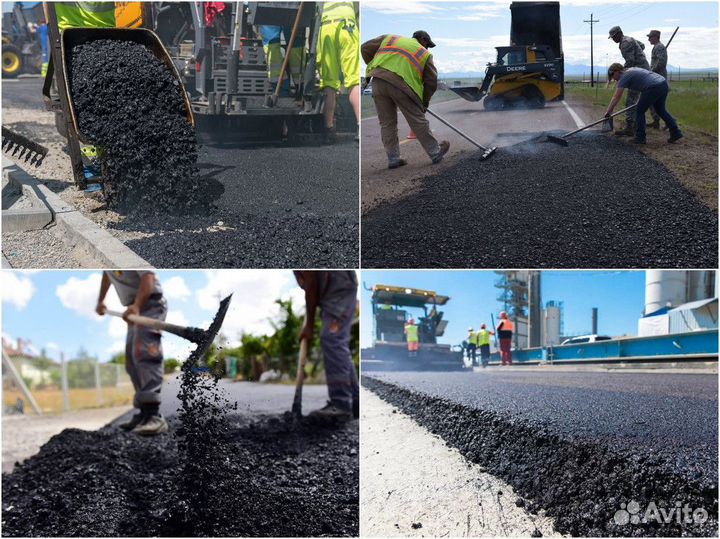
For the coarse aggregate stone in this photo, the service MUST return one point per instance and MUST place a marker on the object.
(131, 107)
(575, 446)
(597, 203)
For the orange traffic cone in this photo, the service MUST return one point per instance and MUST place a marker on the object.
(411, 135)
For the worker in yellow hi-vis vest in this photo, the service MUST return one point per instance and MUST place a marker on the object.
(403, 77)
(412, 338)
(338, 59)
(98, 14)
(483, 339)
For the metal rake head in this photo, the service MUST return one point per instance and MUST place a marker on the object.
(16, 145)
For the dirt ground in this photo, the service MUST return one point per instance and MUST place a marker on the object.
(693, 160)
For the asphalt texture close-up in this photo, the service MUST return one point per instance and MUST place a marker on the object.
(580, 446)
(270, 205)
(596, 203)
(217, 473)
(129, 104)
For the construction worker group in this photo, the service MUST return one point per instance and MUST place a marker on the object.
(646, 85)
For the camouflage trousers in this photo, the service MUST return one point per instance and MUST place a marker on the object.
(630, 100)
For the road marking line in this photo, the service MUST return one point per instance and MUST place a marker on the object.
(578, 121)
(406, 141)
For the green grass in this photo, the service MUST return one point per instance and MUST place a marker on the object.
(693, 103)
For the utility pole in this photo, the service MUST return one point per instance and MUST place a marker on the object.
(592, 64)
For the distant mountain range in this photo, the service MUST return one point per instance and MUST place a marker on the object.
(579, 70)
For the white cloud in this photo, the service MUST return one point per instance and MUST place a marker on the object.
(80, 296)
(17, 290)
(402, 8)
(175, 288)
(117, 327)
(482, 12)
(253, 303)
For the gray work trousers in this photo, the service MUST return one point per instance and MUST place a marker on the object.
(340, 372)
(388, 99)
(631, 99)
(144, 356)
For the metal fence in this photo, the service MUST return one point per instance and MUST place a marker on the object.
(39, 384)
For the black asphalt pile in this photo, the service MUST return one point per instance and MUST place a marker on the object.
(582, 470)
(596, 203)
(273, 479)
(130, 105)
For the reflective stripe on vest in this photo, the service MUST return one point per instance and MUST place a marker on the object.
(412, 333)
(405, 57)
(483, 337)
(338, 10)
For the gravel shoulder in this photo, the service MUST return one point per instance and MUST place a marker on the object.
(414, 485)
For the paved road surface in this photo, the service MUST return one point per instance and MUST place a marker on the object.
(502, 128)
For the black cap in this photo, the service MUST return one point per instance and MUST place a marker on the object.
(422, 34)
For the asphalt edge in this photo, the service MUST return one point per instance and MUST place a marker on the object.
(86, 239)
(579, 484)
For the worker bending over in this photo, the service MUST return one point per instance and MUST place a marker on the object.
(141, 294)
(505, 332)
(412, 338)
(483, 340)
(337, 51)
(335, 293)
(653, 90)
(403, 77)
(633, 53)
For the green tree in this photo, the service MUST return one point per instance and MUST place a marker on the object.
(171, 365)
(118, 358)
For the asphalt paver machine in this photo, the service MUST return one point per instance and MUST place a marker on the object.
(530, 71)
(392, 307)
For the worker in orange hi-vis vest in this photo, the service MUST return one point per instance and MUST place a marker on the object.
(505, 332)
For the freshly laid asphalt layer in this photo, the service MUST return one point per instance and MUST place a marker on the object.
(276, 205)
(596, 203)
(579, 445)
(217, 473)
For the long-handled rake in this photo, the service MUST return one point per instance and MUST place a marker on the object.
(487, 151)
(15, 144)
(608, 126)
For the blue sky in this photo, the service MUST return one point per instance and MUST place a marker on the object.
(467, 32)
(55, 309)
(619, 296)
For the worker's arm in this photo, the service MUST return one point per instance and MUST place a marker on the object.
(308, 281)
(147, 285)
(369, 49)
(614, 101)
(627, 49)
(659, 58)
(100, 308)
(429, 82)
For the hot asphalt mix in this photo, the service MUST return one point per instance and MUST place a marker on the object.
(578, 445)
(596, 203)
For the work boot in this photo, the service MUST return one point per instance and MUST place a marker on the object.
(330, 135)
(444, 147)
(152, 426)
(330, 413)
(675, 137)
(397, 163)
(627, 131)
(655, 124)
(131, 423)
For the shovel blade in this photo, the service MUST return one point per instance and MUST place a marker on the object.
(557, 140)
(607, 125)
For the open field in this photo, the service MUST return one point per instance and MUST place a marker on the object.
(51, 400)
(693, 103)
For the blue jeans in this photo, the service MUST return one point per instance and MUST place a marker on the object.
(340, 372)
(655, 97)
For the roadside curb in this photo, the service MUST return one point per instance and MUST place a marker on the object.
(85, 239)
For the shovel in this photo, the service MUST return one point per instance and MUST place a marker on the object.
(561, 140)
(299, 378)
(487, 151)
(202, 337)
